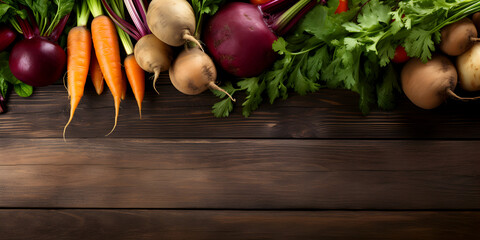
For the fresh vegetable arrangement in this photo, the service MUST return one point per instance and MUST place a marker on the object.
(378, 49)
(351, 50)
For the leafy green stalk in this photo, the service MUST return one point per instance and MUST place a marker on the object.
(202, 7)
(95, 7)
(83, 13)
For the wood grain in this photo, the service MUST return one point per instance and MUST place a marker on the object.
(188, 224)
(240, 174)
(326, 114)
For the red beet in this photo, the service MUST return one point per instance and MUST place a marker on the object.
(37, 61)
(240, 36)
(7, 36)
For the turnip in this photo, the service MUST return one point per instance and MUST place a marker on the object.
(430, 84)
(153, 55)
(38, 60)
(476, 20)
(458, 37)
(193, 72)
(240, 35)
(172, 21)
(468, 66)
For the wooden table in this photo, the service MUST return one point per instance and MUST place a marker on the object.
(310, 167)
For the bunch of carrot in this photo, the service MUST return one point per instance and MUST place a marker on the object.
(97, 52)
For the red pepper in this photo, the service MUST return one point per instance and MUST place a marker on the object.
(257, 2)
(400, 55)
(342, 6)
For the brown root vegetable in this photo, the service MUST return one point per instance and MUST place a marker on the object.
(153, 55)
(476, 20)
(193, 72)
(468, 66)
(172, 21)
(458, 37)
(429, 84)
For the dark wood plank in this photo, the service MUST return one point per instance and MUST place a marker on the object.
(240, 174)
(326, 114)
(187, 224)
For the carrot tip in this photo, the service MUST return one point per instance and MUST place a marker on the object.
(117, 108)
(65, 84)
(65, 128)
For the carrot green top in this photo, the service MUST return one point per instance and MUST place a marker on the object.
(95, 7)
(82, 13)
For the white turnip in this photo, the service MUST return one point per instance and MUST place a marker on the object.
(193, 72)
(476, 20)
(153, 55)
(430, 84)
(172, 21)
(468, 66)
(458, 37)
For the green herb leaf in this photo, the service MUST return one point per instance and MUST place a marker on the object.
(3, 86)
(419, 44)
(254, 88)
(388, 89)
(222, 108)
(23, 90)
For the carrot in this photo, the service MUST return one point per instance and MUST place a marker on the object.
(96, 74)
(107, 49)
(134, 73)
(136, 78)
(79, 48)
(124, 85)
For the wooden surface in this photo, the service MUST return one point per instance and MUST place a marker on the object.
(310, 167)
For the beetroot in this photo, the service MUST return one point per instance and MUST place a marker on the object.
(37, 61)
(7, 36)
(240, 35)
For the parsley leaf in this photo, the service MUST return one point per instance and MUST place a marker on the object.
(254, 87)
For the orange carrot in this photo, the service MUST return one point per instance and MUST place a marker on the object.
(134, 73)
(106, 46)
(96, 74)
(136, 78)
(79, 48)
(124, 85)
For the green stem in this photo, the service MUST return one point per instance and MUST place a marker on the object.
(462, 12)
(51, 27)
(288, 15)
(95, 7)
(16, 26)
(83, 14)
(307, 50)
(198, 30)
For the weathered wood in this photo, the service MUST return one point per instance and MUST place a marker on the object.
(240, 174)
(326, 114)
(196, 224)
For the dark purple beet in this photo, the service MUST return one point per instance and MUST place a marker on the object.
(37, 61)
(240, 35)
(239, 40)
(7, 36)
